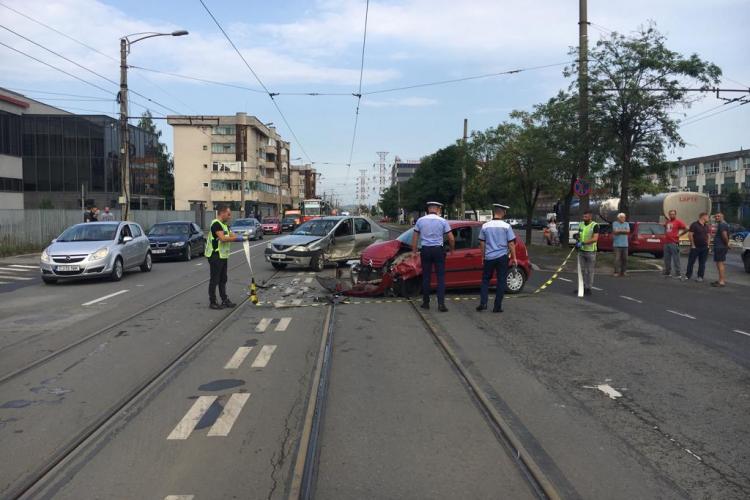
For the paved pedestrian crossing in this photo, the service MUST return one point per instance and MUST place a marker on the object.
(15, 274)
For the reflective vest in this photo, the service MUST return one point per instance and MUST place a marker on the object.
(585, 234)
(224, 246)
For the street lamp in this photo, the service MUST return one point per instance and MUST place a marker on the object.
(125, 43)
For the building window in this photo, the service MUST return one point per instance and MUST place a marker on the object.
(711, 167)
(205, 148)
(224, 130)
(691, 170)
(10, 134)
(11, 184)
(729, 165)
(747, 163)
(223, 148)
(205, 184)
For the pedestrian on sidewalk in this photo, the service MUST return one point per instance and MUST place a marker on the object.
(588, 235)
(721, 247)
(698, 234)
(496, 241)
(553, 232)
(620, 232)
(107, 215)
(674, 228)
(431, 230)
(218, 245)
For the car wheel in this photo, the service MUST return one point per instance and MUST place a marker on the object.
(410, 288)
(515, 280)
(49, 281)
(148, 263)
(278, 265)
(117, 270)
(318, 263)
(658, 255)
(188, 254)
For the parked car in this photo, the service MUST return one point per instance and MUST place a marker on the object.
(96, 249)
(322, 240)
(746, 254)
(180, 239)
(249, 227)
(271, 225)
(644, 237)
(739, 236)
(392, 266)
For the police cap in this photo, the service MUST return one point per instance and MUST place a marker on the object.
(434, 204)
(498, 205)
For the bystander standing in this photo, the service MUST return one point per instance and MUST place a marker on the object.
(107, 215)
(620, 233)
(721, 247)
(698, 234)
(674, 228)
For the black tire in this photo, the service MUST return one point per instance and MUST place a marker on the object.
(514, 283)
(659, 255)
(49, 281)
(317, 263)
(117, 270)
(409, 288)
(148, 263)
(188, 254)
(278, 265)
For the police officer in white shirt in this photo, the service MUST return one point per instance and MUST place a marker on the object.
(431, 231)
(496, 240)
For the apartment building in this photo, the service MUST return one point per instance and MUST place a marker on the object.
(403, 170)
(225, 160)
(725, 177)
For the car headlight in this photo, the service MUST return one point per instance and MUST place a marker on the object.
(45, 256)
(269, 245)
(178, 244)
(100, 254)
(300, 248)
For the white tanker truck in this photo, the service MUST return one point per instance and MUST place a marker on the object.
(651, 208)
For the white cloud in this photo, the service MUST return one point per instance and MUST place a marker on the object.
(406, 102)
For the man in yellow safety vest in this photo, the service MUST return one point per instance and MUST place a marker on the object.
(218, 245)
(588, 235)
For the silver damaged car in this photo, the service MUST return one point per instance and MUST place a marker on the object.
(96, 249)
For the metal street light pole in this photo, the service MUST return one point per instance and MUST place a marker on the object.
(125, 44)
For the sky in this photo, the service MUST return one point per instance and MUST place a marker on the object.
(316, 46)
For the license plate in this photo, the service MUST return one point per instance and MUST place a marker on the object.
(278, 256)
(158, 251)
(68, 268)
(652, 241)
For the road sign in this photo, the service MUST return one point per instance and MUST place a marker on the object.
(581, 187)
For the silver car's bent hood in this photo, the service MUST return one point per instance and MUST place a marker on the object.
(295, 239)
(77, 247)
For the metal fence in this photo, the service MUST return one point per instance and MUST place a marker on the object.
(24, 227)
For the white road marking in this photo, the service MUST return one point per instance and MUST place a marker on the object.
(741, 332)
(229, 414)
(251, 246)
(104, 298)
(183, 429)
(263, 357)
(15, 269)
(308, 280)
(24, 266)
(199, 264)
(631, 299)
(609, 391)
(564, 279)
(179, 497)
(15, 278)
(693, 454)
(261, 327)
(597, 288)
(283, 324)
(237, 358)
(680, 314)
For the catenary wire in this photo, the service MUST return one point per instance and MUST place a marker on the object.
(690, 122)
(359, 90)
(270, 94)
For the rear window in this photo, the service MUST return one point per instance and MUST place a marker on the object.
(650, 229)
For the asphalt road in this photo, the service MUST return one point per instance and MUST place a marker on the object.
(639, 391)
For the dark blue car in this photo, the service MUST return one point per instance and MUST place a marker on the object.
(178, 239)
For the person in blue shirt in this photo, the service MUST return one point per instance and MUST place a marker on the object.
(496, 242)
(620, 232)
(431, 231)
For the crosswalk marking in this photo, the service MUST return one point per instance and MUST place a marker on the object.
(263, 324)
(183, 429)
(24, 266)
(283, 324)
(229, 414)
(239, 356)
(263, 357)
(15, 269)
(15, 278)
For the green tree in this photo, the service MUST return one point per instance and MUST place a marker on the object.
(389, 202)
(164, 160)
(635, 82)
(438, 178)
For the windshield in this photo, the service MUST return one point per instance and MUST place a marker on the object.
(89, 232)
(243, 222)
(271, 221)
(169, 230)
(289, 220)
(315, 227)
(312, 208)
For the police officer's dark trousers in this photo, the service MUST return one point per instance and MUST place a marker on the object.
(499, 267)
(218, 268)
(433, 256)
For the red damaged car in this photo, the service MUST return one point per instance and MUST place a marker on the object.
(391, 267)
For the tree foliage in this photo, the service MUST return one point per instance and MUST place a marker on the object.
(164, 160)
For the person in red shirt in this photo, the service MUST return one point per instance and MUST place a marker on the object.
(674, 228)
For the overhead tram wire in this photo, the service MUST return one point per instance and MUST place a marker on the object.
(84, 44)
(88, 69)
(359, 90)
(690, 122)
(270, 94)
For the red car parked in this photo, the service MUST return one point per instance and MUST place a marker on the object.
(390, 265)
(644, 237)
(271, 225)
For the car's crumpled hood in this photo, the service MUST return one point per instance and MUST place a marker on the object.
(295, 239)
(377, 254)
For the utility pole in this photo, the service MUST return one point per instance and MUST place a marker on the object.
(461, 193)
(281, 176)
(240, 139)
(124, 132)
(583, 98)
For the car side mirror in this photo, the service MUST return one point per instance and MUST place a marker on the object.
(54, 240)
(125, 239)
